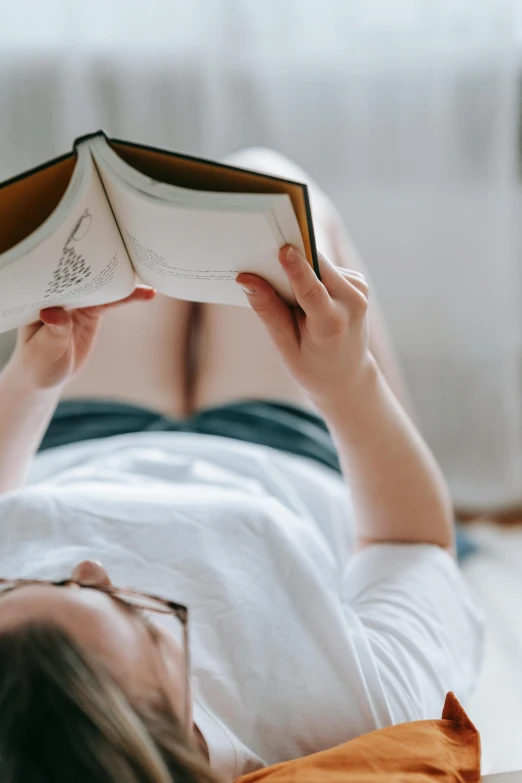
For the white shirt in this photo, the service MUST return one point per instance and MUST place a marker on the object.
(297, 644)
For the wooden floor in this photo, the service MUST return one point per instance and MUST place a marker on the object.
(506, 518)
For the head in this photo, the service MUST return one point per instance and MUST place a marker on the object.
(90, 690)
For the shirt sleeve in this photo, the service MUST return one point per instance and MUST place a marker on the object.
(422, 626)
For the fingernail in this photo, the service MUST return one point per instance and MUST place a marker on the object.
(249, 291)
(292, 256)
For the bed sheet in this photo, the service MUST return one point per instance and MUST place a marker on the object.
(495, 574)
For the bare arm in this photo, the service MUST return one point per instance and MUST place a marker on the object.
(48, 354)
(398, 491)
(25, 413)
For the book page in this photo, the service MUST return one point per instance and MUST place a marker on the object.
(83, 262)
(192, 245)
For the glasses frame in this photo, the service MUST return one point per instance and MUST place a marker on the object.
(171, 607)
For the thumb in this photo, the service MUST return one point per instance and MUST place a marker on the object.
(57, 325)
(57, 319)
(272, 311)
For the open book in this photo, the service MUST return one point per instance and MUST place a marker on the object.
(80, 229)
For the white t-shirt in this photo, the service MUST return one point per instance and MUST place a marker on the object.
(296, 644)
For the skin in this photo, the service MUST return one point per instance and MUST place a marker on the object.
(49, 353)
(141, 660)
(399, 494)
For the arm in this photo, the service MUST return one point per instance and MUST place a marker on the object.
(25, 413)
(48, 354)
(398, 492)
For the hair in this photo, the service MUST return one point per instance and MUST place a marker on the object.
(64, 717)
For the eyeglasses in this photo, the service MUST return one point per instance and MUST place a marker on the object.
(142, 603)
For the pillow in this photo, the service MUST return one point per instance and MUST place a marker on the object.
(420, 752)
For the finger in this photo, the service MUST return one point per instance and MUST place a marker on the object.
(271, 310)
(358, 281)
(351, 272)
(340, 282)
(56, 318)
(49, 316)
(325, 259)
(311, 294)
(57, 325)
(140, 294)
(27, 333)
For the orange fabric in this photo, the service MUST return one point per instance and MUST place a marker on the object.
(419, 752)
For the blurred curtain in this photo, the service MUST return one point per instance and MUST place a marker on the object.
(406, 112)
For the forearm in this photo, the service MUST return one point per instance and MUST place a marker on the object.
(24, 416)
(398, 491)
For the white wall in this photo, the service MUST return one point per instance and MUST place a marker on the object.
(405, 112)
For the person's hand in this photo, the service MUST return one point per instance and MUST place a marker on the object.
(49, 352)
(323, 341)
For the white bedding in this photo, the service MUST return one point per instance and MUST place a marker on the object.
(495, 573)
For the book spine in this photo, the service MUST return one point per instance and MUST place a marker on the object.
(87, 136)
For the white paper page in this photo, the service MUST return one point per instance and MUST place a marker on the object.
(83, 263)
(195, 253)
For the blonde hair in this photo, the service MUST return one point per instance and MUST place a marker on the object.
(64, 718)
